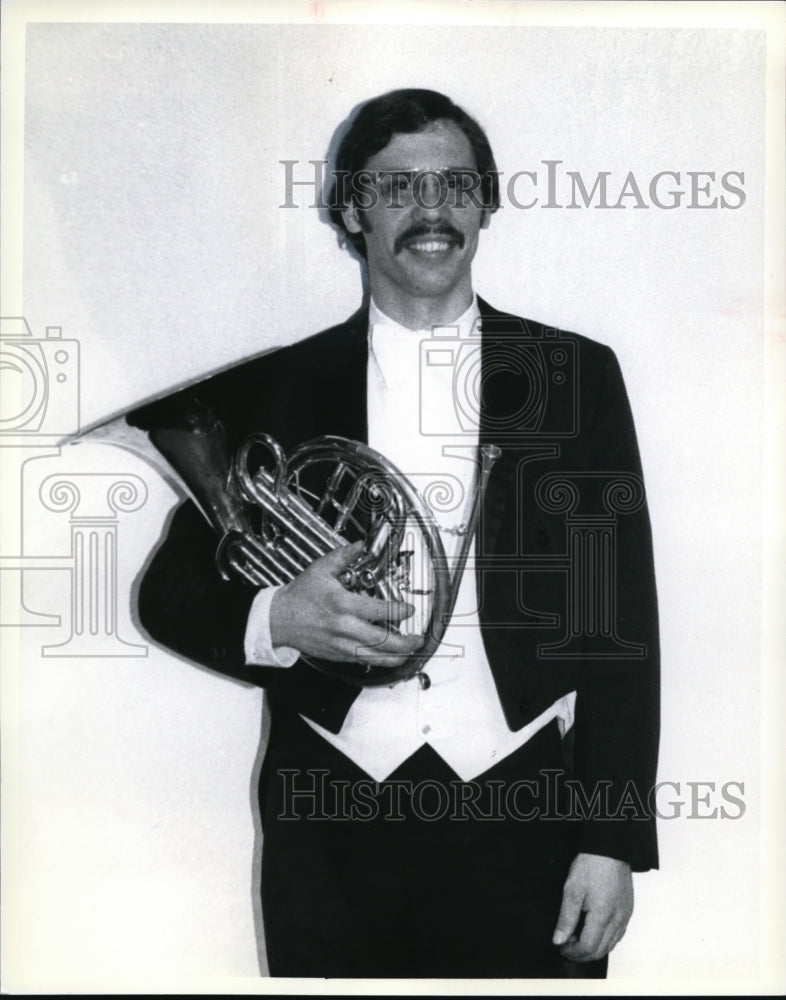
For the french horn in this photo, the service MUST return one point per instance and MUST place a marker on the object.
(274, 514)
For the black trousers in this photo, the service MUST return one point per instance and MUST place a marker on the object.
(422, 875)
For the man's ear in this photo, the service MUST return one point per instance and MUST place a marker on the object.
(485, 219)
(351, 220)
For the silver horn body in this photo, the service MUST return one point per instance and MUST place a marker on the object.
(275, 514)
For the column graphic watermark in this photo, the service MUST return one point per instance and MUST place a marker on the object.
(94, 502)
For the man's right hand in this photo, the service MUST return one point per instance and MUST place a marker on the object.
(318, 616)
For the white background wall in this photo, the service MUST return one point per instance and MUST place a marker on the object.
(153, 234)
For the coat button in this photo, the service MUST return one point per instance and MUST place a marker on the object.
(218, 654)
(524, 706)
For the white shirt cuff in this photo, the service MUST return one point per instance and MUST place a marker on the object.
(258, 644)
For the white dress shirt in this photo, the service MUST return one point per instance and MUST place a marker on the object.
(417, 420)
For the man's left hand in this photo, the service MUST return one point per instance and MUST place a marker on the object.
(602, 889)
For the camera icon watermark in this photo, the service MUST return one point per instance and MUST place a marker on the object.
(39, 381)
(523, 382)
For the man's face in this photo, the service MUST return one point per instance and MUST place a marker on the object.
(419, 254)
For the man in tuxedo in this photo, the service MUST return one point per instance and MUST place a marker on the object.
(483, 817)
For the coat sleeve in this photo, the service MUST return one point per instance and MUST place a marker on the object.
(186, 606)
(618, 705)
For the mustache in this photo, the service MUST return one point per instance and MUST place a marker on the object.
(422, 230)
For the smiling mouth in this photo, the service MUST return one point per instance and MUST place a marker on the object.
(427, 241)
(430, 246)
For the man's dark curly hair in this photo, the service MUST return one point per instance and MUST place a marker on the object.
(405, 111)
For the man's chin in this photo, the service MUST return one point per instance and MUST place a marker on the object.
(440, 268)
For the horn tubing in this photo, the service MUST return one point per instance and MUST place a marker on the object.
(489, 453)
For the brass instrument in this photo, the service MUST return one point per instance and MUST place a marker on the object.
(275, 514)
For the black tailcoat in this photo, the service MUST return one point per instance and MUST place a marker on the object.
(567, 419)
